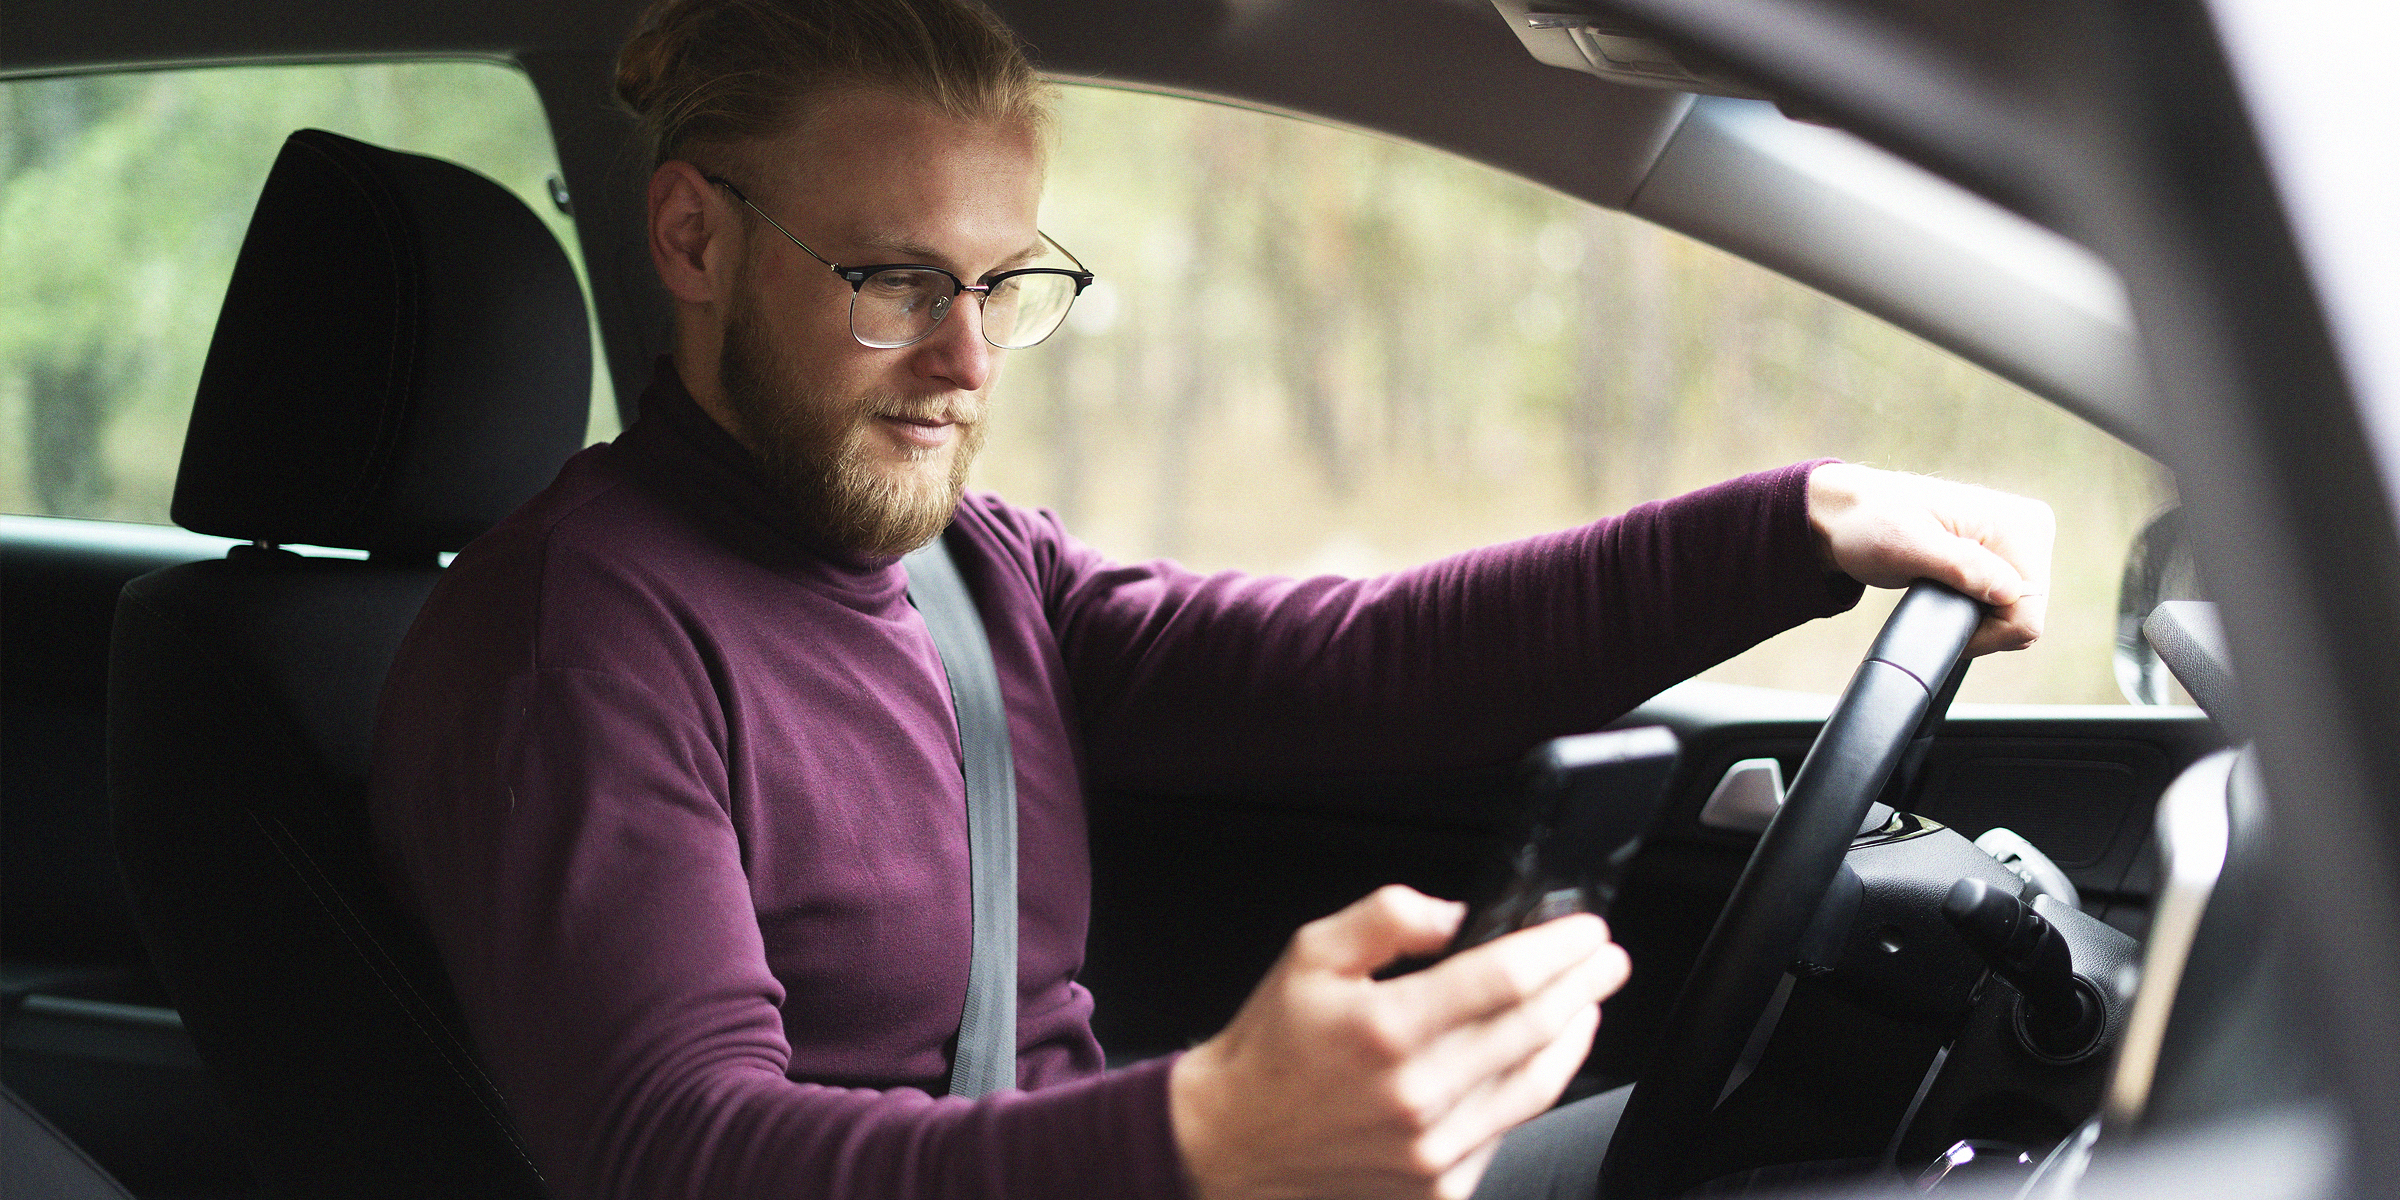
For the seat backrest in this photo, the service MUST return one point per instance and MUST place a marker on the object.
(402, 358)
(41, 1164)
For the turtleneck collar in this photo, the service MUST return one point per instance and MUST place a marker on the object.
(679, 450)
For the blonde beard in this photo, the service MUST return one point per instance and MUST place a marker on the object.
(815, 450)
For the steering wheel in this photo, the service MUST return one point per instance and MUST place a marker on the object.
(1902, 688)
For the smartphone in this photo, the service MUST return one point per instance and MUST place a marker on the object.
(1589, 800)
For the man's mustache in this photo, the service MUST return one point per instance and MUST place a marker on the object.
(947, 410)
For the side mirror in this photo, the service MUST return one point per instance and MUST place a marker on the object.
(2158, 567)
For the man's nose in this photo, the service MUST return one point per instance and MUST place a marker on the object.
(956, 352)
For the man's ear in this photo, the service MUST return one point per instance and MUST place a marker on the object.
(686, 229)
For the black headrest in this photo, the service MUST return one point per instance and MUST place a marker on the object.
(402, 358)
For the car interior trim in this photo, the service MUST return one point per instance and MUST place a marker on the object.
(1858, 223)
(2194, 834)
(2189, 639)
(1747, 797)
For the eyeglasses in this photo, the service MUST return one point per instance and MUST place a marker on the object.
(898, 304)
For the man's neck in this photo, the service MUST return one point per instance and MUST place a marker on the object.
(697, 351)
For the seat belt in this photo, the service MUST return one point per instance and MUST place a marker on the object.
(986, 1059)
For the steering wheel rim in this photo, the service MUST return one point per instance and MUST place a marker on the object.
(1895, 692)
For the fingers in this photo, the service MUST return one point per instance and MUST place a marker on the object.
(1507, 1034)
(1887, 529)
(1521, 1093)
(1458, 1183)
(2024, 537)
(2011, 627)
(1570, 961)
(1391, 922)
(1506, 974)
(2017, 604)
(1972, 568)
(1482, 1074)
(1330, 1082)
(1519, 1056)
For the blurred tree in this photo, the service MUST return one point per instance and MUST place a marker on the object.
(1310, 350)
(1321, 351)
(123, 200)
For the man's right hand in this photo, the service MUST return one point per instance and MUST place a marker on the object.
(1332, 1083)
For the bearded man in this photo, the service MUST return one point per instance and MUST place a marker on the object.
(670, 770)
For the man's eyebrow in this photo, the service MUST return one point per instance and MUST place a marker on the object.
(903, 250)
(897, 248)
(1039, 247)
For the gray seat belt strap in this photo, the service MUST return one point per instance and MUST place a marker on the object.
(986, 1060)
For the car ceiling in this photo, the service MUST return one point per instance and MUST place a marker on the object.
(1399, 66)
(1446, 73)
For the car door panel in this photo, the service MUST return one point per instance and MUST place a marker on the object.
(90, 1038)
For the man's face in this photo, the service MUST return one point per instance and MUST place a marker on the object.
(873, 445)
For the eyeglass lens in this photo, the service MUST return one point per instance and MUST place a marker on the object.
(900, 306)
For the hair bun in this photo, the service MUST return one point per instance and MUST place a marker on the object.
(728, 71)
(648, 57)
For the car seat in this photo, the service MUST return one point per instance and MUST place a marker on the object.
(42, 1164)
(402, 358)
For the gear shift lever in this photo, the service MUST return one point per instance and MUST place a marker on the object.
(2062, 1013)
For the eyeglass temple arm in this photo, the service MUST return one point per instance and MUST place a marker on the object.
(736, 192)
(1069, 253)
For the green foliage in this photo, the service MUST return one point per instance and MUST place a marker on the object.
(1312, 350)
(1322, 351)
(123, 200)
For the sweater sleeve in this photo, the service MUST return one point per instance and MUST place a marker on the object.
(1464, 661)
(567, 843)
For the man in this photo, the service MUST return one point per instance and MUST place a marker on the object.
(669, 768)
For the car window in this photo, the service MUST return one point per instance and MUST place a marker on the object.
(1317, 350)
(123, 201)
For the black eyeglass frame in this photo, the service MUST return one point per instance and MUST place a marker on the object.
(857, 278)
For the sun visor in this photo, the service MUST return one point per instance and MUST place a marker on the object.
(1617, 51)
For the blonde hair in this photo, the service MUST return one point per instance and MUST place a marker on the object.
(721, 73)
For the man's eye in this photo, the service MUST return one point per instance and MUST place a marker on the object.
(908, 287)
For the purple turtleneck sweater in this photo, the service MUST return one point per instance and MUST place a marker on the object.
(679, 796)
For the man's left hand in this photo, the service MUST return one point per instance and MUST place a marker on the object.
(1886, 529)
